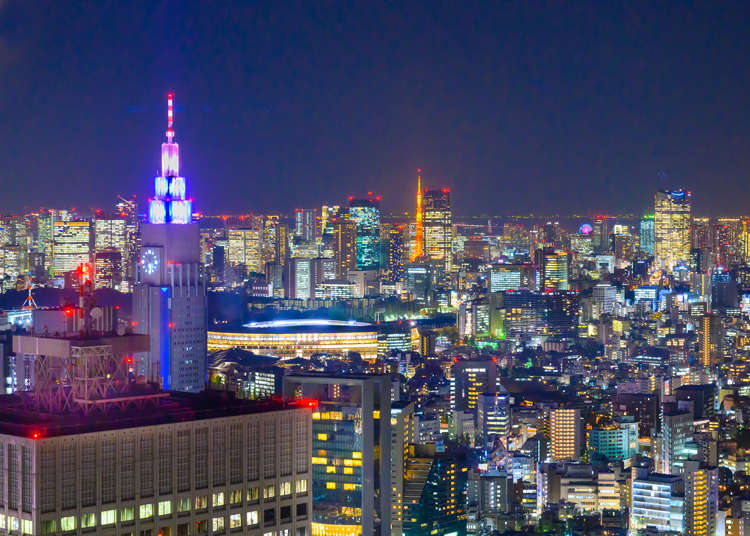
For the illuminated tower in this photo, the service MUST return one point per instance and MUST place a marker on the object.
(438, 228)
(365, 213)
(169, 302)
(671, 228)
(419, 237)
(566, 438)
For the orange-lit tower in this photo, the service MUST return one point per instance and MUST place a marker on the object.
(419, 235)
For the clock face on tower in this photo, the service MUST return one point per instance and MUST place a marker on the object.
(150, 260)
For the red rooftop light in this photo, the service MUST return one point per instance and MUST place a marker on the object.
(307, 403)
(36, 435)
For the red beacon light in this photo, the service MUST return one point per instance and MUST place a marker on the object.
(36, 434)
(307, 403)
(128, 360)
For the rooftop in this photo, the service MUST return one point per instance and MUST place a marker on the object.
(171, 407)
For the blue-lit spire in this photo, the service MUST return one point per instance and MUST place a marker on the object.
(170, 204)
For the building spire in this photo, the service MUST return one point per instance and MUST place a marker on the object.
(170, 118)
(419, 234)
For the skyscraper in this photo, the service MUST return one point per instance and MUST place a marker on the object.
(344, 246)
(438, 228)
(392, 252)
(365, 214)
(554, 268)
(351, 456)
(305, 223)
(70, 245)
(244, 250)
(646, 242)
(671, 228)
(169, 303)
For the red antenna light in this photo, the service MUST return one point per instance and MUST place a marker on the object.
(36, 434)
(128, 360)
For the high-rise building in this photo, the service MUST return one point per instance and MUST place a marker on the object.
(600, 235)
(701, 499)
(169, 303)
(554, 269)
(566, 434)
(351, 451)
(435, 493)
(677, 429)
(438, 228)
(616, 440)
(177, 463)
(493, 416)
(344, 246)
(244, 250)
(656, 501)
(672, 228)
(297, 279)
(305, 223)
(402, 437)
(365, 213)
(71, 245)
(392, 252)
(604, 297)
(701, 240)
(469, 380)
(511, 277)
(108, 269)
(646, 238)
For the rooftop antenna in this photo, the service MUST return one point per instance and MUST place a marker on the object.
(170, 117)
(29, 303)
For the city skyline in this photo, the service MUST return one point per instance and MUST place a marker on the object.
(516, 120)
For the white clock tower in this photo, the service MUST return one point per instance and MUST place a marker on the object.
(169, 302)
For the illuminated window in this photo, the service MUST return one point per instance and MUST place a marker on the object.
(183, 505)
(252, 518)
(217, 499)
(330, 485)
(235, 521)
(201, 502)
(319, 461)
(285, 488)
(350, 487)
(348, 471)
(126, 514)
(165, 508)
(146, 511)
(357, 455)
(252, 494)
(235, 496)
(322, 437)
(217, 524)
(301, 486)
(269, 492)
(88, 520)
(330, 469)
(12, 523)
(49, 526)
(108, 517)
(2, 522)
(26, 525)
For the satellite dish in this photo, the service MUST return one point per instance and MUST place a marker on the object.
(97, 313)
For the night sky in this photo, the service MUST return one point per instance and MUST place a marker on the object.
(517, 106)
